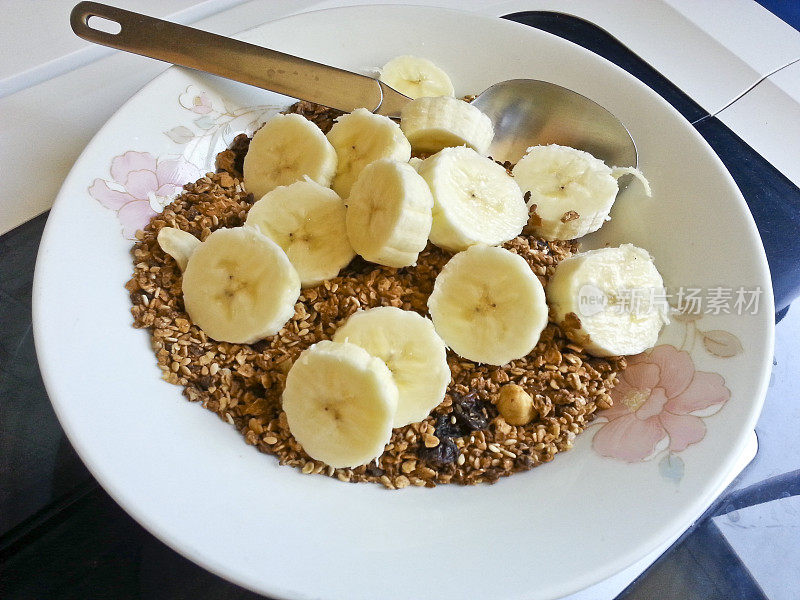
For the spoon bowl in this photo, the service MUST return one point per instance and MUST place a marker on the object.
(529, 112)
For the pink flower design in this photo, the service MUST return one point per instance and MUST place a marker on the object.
(201, 104)
(658, 403)
(197, 101)
(141, 187)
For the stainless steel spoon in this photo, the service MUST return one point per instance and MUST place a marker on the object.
(525, 112)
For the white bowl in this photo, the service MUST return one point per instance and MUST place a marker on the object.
(190, 479)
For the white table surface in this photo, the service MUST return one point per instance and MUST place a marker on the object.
(54, 96)
(61, 92)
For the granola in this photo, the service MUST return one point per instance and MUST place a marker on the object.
(465, 440)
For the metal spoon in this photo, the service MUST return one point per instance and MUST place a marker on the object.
(525, 112)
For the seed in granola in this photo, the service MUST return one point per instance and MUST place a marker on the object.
(401, 481)
(430, 441)
(408, 466)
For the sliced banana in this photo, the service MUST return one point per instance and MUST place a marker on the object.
(340, 402)
(431, 124)
(573, 191)
(607, 300)
(475, 201)
(413, 351)
(389, 213)
(488, 305)
(286, 149)
(360, 138)
(239, 286)
(179, 244)
(308, 222)
(416, 77)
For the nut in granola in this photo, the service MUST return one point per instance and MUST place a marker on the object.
(515, 405)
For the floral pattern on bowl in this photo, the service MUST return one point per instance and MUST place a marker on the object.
(659, 403)
(661, 400)
(141, 184)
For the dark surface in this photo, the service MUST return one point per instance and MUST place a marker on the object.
(788, 10)
(94, 550)
(37, 464)
(62, 537)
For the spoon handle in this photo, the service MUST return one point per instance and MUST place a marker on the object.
(236, 60)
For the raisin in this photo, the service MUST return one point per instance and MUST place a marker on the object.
(470, 413)
(240, 146)
(492, 475)
(472, 421)
(260, 346)
(445, 428)
(443, 454)
(374, 470)
(524, 461)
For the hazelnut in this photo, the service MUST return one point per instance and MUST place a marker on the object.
(515, 405)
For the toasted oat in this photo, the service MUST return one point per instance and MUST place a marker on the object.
(243, 383)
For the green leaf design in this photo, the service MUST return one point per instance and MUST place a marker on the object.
(180, 134)
(205, 122)
(722, 344)
(671, 467)
(230, 107)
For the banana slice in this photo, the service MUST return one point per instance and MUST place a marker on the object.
(239, 286)
(340, 402)
(308, 222)
(360, 138)
(475, 201)
(488, 305)
(413, 351)
(416, 77)
(284, 150)
(607, 300)
(431, 124)
(389, 213)
(573, 191)
(179, 244)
